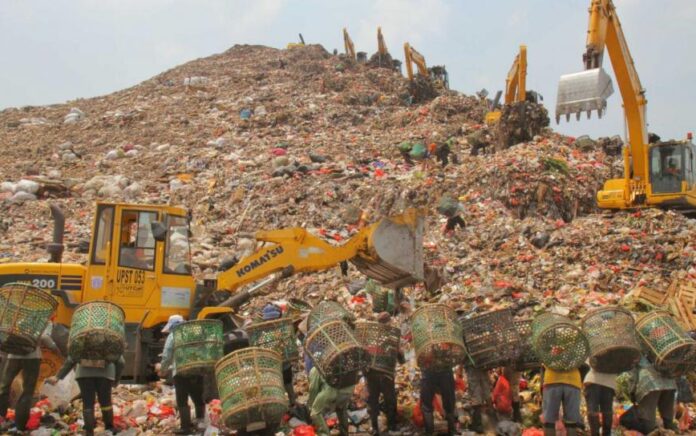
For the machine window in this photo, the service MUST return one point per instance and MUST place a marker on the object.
(666, 169)
(105, 225)
(137, 245)
(177, 258)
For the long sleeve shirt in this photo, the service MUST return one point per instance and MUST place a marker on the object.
(167, 363)
(45, 340)
(84, 369)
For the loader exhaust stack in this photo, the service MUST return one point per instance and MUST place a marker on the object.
(55, 248)
(586, 91)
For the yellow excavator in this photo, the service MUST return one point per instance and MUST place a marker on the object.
(296, 44)
(381, 45)
(140, 259)
(348, 45)
(515, 87)
(659, 174)
(438, 74)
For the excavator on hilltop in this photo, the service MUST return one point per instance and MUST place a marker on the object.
(348, 45)
(658, 174)
(425, 83)
(515, 87)
(140, 259)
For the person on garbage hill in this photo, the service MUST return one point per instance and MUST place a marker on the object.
(443, 150)
(185, 385)
(271, 312)
(382, 383)
(437, 380)
(451, 208)
(325, 399)
(479, 387)
(513, 376)
(29, 365)
(95, 378)
(650, 391)
(599, 397)
(478, 140)
(561, 388)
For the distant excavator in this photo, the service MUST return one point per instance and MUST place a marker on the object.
(438, 74)
(348, 45)
(661, 174)
(515, 87)
(296, 44)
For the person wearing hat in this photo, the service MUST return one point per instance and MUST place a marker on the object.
(272, 312)
(28, 365)
(382, 383)
(95, 378)
(185, 385)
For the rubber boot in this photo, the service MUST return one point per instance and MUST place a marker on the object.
(571, 430)
(593, 421)
(607, 421)
(185, 417)
(670, 425)
(550, 429)
(429, 423)
(516, 412)
(451, 425)
(290, 389)
(374, 421)
(108, 418)
(342, 421)
(476, 423)
(90, 421)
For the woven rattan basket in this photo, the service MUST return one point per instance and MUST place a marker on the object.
(278, 335)
(382, 298)
(197, 346)
(24, 313)
(336, 353)
(97, 332)
(381, 342)
(491, 339)
(437, 337)
(527, 359)
(250, 383)
(558, 342)
(666, 344)
(611, 332)
(297, 308)
(327, 311)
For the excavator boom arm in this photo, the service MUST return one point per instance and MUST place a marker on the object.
(516, 81)
(412, 56)
(348, 44)
(381, 45)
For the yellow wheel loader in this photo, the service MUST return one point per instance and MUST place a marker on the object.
(139, 258)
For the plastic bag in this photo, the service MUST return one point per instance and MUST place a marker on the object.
(502, 396)
(418, 151)
(60, 394)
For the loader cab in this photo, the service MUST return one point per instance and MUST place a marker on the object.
(672, 167)
(140, 259)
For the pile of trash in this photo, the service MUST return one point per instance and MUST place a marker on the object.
(257, 138)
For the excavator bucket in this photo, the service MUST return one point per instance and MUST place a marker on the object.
(583, 92)
(394, 255)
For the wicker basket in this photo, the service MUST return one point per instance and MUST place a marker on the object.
(527, 359)
(491, 339)
(611, 332)
(382, 298)
(278, 335)
(297, 308)
(336, 353)
(197, 346)
(666, 344)
(97, 332)
(327, 311)
(437, 337)
(250, 383)
(381, 342)
(558, 342)
(24, 314)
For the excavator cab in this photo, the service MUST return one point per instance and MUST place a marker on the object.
(672, 167)
(586, 91)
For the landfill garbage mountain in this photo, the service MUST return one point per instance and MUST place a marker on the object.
(261, 138)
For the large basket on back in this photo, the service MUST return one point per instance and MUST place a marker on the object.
(296, 309)
(558, 342)
(97, 332)
(197, 346)
(24, 313)
(278, 335)
(437, 337)
(491, 339)
(250, 383)
(327, 311)
(381, 342)
(611, 332)
(666, 344)
(382, 298)
(527, 358)
(336, 353)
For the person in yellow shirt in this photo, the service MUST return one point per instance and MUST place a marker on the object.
(561, 388)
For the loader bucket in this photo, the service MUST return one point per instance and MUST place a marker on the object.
(583, 92)
(394, 255)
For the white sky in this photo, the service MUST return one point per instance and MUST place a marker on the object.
(58, 50)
